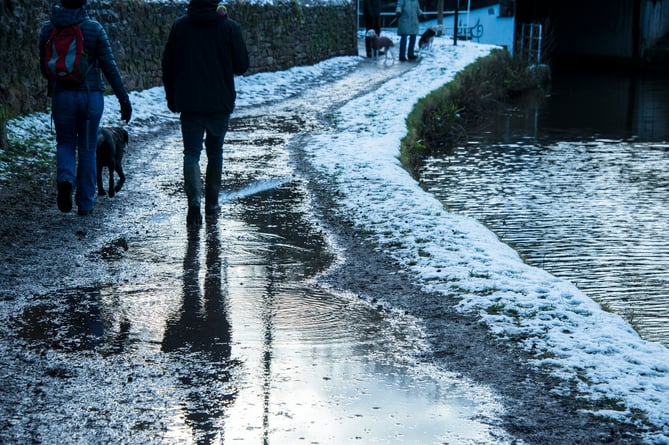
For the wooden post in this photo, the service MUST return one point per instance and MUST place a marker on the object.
(455, 22)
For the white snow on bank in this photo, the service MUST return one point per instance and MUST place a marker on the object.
(567, 332)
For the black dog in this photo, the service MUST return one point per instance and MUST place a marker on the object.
(110, 148)
(426, 39)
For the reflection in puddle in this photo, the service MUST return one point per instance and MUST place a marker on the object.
(252, 189)
(201, 326)
(319, 367)
(74, 320)
(327, 369)
(48, 325)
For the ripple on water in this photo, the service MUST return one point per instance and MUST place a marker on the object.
(594, 212)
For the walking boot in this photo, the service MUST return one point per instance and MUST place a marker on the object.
(64, 199)
(212, 188)
(193, 188)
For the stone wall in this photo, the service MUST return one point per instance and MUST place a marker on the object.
(277, 36)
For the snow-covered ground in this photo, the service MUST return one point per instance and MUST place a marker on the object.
(568, 333)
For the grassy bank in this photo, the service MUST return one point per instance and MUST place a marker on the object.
(28, 151)
(442, 118)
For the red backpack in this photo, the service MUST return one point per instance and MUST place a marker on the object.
(65, 59)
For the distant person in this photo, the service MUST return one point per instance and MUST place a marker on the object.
(408, 12)
(371, 13)
(77, 107)
(204, 51)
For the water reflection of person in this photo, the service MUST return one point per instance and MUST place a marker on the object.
(200, 334)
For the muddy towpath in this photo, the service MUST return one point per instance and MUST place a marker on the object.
(278, 322)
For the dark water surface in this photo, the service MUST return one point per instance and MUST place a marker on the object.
(578, 183)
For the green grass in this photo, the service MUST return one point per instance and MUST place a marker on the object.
(441, 119)
(28, 149)
(29, 158)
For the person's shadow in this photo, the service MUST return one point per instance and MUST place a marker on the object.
(199, 335)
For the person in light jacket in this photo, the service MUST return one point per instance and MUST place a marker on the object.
(408, 12)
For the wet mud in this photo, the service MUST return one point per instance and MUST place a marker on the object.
(277, 322)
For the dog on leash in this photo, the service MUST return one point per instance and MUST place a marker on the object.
(427, 38)
(109, 153)
(379, 43)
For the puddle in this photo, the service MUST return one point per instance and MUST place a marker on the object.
(73, 322)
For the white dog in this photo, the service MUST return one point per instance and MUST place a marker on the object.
(379, 43)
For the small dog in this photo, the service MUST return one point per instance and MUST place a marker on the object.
(427, 38)
(109, 153)
(380, 43)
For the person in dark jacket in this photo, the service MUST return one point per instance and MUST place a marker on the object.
(77, 109)
(204, 51)
(371, 12)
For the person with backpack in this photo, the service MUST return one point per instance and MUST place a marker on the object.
(74, 53)
(204, 51)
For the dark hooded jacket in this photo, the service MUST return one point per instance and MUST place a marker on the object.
(96, 46)
(204, 52)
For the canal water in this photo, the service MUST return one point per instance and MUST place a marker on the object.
(577, 181)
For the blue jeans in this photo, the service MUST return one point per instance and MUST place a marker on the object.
(212, 128)
(403, 45)
(75, 155)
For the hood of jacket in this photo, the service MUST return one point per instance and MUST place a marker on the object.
(61, 17)
(203, 12)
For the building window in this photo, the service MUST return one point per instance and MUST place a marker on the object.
(507, 8)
